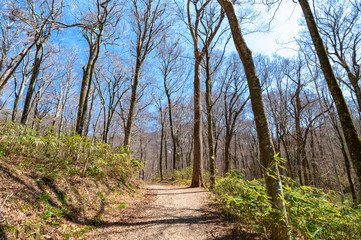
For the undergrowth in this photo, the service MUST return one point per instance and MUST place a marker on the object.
(311, 211)
(68, 182)
(52, 155)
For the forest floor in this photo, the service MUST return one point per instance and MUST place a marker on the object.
(166, 211)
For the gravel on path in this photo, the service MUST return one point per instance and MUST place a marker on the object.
(170, 212)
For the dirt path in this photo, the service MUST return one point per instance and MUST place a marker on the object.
(170, 212)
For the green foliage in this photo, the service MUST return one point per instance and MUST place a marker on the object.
(54, 215)
(43, 197)
(58, 163)
(98, 218)
(121, 206)
(51, 154)
(62, 196)
(182, 176)
(312, 214)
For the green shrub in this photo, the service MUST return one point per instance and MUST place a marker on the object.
(311, 212)
(183, 176)
(51, 154)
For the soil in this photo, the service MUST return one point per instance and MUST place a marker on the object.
(166, 212)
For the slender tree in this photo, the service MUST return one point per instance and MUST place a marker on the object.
(172, 69)
(98, 27)
(352, 137)
(234, 102)
(41, 17)
(214, 21)
(280, 230)
(149, 23)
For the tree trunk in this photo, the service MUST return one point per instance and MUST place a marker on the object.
(347, 162)
(211, 152)
(172, 130)
(197, 177)
(86, 82)
(88, 115)
(17, 99)
(227, 154)
(57, 111)
(133, 100)
(161, 151)
(280, 229)
(166, 153)
(13, 65)
(34, 76)
(288, 158)
(352, 138)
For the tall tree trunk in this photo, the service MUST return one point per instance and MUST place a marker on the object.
(172, 130)
(209, 106)
(17, 99)
(89, 113)
(13, 65)
(280, 229)
(352, 138)
(34, 76)
(227, 154)
(197, 177)
(133, 100)
(161, 150)
(347, 161)
(166, 153)
(84, 96)
(86, 82)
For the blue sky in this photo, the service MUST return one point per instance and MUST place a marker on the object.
(284, 28)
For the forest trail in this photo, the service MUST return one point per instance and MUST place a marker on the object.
(168, 212)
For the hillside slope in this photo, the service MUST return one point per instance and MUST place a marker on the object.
(59, 187)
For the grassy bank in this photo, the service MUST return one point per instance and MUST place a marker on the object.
(59, 186)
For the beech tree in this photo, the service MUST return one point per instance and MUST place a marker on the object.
(352, 137)
(212, 63)
(19, 88)
(172, 69)
(12, 39)
(41, 18)
(111, 87)
(339, 25)
(98, 27)
(206, 15)
(280, 230)
(234, 102)
(149, 22)
(62, 90)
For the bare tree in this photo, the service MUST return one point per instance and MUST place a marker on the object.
(280, 230)
(111, 89)
(172, 69)
(149, 23)
(206, 15)
(62, 90)
(352, 137)
(98, 27)
(234, 100)
(20, 89)
(12, 39)
(162, 121)
(339, 25)
(41, 18)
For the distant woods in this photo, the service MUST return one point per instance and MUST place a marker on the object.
(159, 78)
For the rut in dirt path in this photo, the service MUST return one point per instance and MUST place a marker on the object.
(173, 212)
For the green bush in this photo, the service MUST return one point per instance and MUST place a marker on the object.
(311, 212)
(51, 154)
